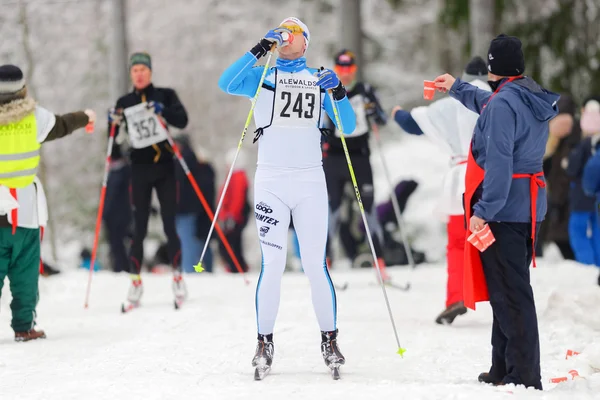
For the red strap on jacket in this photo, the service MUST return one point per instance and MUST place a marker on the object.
(14, 214)
(534, 183)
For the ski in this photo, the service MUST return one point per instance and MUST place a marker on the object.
(335, 372)
(405, 288)
(125, 308)
(178, 302)
(261, 371)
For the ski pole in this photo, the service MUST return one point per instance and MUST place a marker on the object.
(111, 140)
(401, 350)
(198, 267)
(206, 206)
(395, 204)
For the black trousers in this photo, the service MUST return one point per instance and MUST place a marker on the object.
(338, 176)
(118, 217)
(234, 237)
(145, 178)
(515, 336)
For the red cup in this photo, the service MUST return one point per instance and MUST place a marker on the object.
(474, 240)
(486, 236)
(89, 128)
(428, 90)
(482, 239)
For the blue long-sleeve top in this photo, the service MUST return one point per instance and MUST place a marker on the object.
(407, 122)
(510, 137)
(242, 79)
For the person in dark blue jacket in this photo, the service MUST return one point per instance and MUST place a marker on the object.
(504, 188)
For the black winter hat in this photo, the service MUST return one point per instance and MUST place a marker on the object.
(476, 67)
(505, 56)
(11, 79)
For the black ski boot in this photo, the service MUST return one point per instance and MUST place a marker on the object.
(330, 350)
(449, 314)
(263, 357)
(331, 353)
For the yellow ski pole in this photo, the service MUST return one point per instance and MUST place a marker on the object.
(401, 350)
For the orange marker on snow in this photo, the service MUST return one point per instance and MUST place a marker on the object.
(571, 353)
(574, 374)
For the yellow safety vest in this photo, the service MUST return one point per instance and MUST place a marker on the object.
(19, 153)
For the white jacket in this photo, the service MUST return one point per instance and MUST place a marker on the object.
(450, 125)
(31, 200)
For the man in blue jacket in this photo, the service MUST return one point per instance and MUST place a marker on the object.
(504, 188)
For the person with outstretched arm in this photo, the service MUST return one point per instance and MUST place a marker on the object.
(505, 189)
(24, 126)
(450, 125)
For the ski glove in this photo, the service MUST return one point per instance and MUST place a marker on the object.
(274, 36)
(156, 106)
(328, 80)
(115, 116)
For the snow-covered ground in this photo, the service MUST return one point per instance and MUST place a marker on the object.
(203, 351)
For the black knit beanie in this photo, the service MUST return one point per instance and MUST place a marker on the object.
(11, 79)
(505, 56)
(476, 67)
(12, 84)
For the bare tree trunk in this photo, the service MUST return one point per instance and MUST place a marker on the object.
(31, 89)
(119, 51)
(351, 30)
(481, 26)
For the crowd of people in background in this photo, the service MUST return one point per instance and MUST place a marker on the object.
(569, 167)
(572, 221)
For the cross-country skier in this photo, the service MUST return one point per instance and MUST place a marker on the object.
(289, 178)
(448, 123)
(23, 210)
(145, 113)
(368, 110)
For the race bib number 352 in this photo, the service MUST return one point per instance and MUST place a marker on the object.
(144, 127)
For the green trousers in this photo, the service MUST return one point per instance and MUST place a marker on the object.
(20, 261)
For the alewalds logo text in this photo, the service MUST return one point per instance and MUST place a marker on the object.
(292, 81)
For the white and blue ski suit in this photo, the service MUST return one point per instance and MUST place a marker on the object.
(289, 180)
